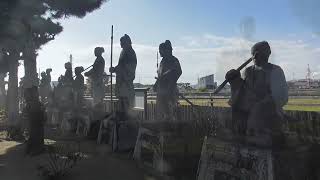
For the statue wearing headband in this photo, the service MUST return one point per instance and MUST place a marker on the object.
(258, 96)
(96, 75)
(166, 86)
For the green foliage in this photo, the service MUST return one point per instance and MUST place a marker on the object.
(60, 160)
(294, 104)
(2, 114)
(26, 25)
(203, 90)
(78, 8)
(15, 133)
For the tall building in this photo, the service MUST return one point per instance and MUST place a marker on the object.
(207, 82)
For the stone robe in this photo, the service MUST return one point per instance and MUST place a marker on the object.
(257, 99)
(68, 77)
(78, 90)
(166, 86)
(45, 87)
(96, 75)
(126, 71)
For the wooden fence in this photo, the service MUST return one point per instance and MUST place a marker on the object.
(308, 122)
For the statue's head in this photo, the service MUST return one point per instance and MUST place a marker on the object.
(165, 49)
(60, 79)
(125, 41)
(68, 65)
(43, 74)
(261, 52)
(49, 70)
(98, 51)
(78, 70)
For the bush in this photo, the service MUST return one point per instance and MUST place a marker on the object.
(60, 160)
(202, 90)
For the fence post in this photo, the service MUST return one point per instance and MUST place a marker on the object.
(146, 104)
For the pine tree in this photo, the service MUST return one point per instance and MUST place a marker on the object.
(25, 26)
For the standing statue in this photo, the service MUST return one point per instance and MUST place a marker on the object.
(166, 86)
(48, 73)
(44, 87)
(78, 87)
(125, 74)
(68, 77)
(258, 97)
(96, 75)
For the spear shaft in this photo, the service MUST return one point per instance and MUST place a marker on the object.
(111, 57)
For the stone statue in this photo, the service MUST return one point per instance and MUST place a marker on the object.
(78, 86)
(44, 87)
(125, 74)
(96, 75)
(258, 97)
(68, 79)
(48, 73)
(166, 86)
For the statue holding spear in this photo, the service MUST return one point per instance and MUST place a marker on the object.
(125, 75)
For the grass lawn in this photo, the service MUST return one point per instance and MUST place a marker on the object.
(293, 104)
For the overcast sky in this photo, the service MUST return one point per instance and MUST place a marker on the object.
(208, 36)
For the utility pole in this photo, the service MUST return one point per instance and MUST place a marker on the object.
(111, 58)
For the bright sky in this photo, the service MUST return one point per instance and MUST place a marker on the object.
(206, 35)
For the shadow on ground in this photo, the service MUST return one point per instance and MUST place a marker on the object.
(99, 164)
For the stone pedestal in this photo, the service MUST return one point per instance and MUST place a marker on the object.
(124, 135)
(121, 134)
(53, 116)
(83, 124)
(65, 125)
(105, 130)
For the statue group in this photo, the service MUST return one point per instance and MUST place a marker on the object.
(257, 95)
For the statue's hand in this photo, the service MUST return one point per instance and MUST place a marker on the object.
(232, 75)
(112, 69)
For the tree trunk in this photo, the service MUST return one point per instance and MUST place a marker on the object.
(2, 90)
(30, 71)
(13, 101)
(34, 110)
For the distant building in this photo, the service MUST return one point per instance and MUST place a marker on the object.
(207, 82)
(185, 87)
(138, 85)
(304, 84)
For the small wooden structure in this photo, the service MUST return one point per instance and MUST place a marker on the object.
(167, 149)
